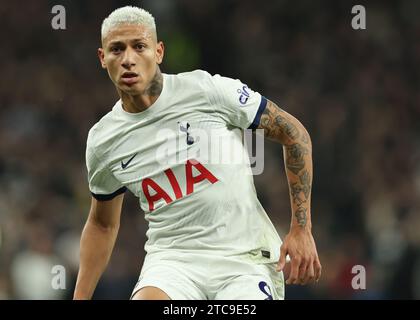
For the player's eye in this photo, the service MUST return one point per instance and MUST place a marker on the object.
(116, 50)
(139, 46)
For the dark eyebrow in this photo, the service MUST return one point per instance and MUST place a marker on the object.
(138, 40)
(113, 43)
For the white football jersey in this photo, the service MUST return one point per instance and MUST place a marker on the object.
(179, 157)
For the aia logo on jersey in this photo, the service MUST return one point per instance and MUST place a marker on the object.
(243, 94)
(149, 184)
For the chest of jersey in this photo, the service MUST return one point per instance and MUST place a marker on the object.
(175, 155)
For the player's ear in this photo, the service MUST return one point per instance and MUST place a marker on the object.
(101, 56)
(160, 50)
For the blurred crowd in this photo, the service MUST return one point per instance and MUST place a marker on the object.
(356, 91)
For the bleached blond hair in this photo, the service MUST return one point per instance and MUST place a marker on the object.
(128, 15)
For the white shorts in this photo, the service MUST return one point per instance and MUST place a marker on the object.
(207, 277)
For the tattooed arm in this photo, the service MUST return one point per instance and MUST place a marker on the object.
(299, 244)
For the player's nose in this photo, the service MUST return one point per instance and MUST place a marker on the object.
(128, 58)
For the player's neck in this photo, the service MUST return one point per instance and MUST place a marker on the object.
(141, 102)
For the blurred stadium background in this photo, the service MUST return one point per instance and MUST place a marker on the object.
(357, 92)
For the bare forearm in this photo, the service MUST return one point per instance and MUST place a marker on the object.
(299, 243)
(298, 163)
(96, 246)
(282, 127)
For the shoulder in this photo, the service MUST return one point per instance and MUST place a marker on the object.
(102, 130)
(200, 83)
(199, 79)
(193, 75)
(202, 80)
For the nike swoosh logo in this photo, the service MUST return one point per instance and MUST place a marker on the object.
(124, 165)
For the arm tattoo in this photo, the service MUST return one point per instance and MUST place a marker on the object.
(288, 128)
(276, 126)
(305, 180)
(280, 126)
(300, 215)
(303, 187)
(305, 138)
(296, 189)
(294, 157)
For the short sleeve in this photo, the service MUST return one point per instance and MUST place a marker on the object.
(239, 105)
(102, 183)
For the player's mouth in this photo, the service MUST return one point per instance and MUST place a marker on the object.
(129, 77)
